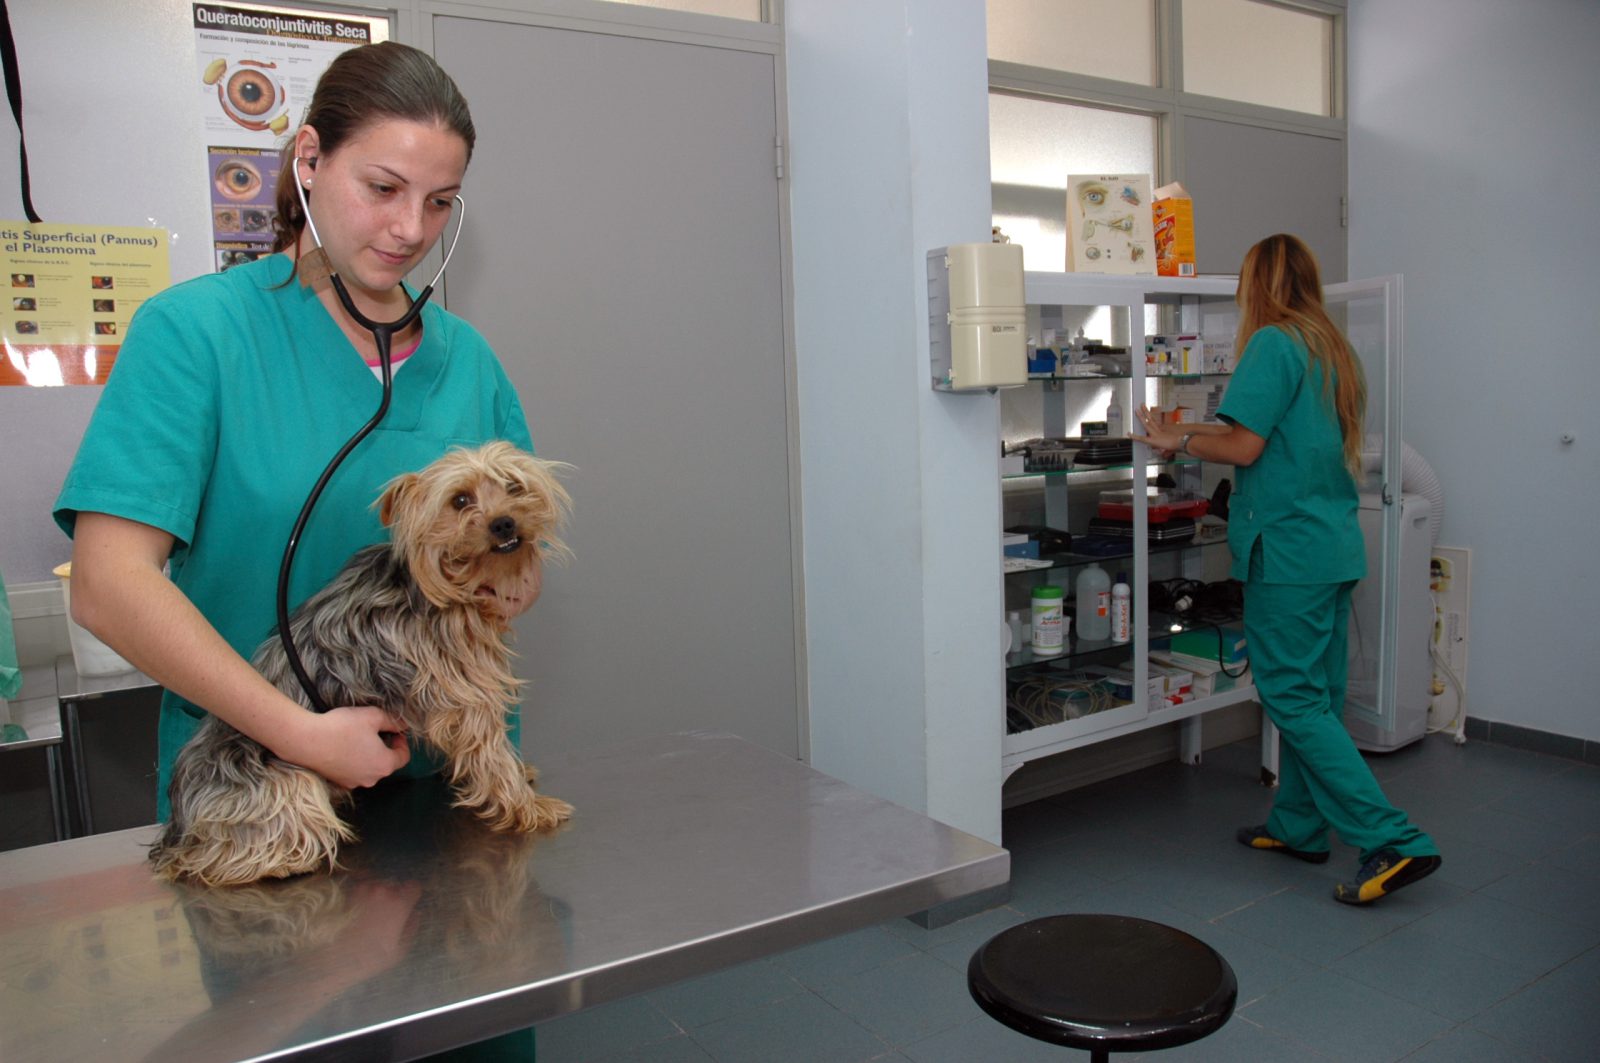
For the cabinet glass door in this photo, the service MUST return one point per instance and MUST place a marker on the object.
(1369, 311)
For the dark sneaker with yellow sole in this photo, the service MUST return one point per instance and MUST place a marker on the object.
(1258, 838)
(1386, 872)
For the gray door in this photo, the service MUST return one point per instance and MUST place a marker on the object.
(1239, 199)
(622, 253)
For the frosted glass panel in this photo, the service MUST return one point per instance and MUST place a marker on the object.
(1102, 38)
(749, 10)
(1258, 53)
(1035, 144)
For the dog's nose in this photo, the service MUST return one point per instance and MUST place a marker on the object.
(503, 528)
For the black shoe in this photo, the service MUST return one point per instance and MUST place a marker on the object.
(1258, 838)
(1386, 872)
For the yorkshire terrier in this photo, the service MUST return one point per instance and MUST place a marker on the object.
(417, 627)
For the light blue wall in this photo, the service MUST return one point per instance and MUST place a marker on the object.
(900, 491)
(1474, 151)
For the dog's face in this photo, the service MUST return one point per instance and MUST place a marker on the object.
(475, 526)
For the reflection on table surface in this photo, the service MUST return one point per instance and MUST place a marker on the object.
(430, 908)
(687, 853)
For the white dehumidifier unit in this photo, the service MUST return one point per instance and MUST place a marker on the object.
(1414, 625)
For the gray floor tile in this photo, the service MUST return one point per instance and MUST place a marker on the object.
(803, 1029)
(1582, 856)
(1543, 887)
(1446, 979)
(1239, 1039)
(1469, 863)
(1311, 927)
(602, 1032)
(679, 1049)
(1555, 1017)
(1466, 1045)
(906, 1000)
(1508, 932)
(716, 996)
(1259, 967)
(983, 1039)
(1215, 882)
(1345, 1019)
(1034, 895)
(1527, 839)
(970, 932)
(828, 961)
(1569, 800)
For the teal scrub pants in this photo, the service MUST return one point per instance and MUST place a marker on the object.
(1298, 638)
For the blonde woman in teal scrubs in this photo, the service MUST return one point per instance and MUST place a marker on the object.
(1292, 425)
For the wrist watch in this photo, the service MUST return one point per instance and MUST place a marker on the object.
(1183, 444)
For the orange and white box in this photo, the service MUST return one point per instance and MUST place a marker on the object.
(1172, 212)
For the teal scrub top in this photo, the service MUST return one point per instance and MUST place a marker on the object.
(230, 394)
(1297, 499)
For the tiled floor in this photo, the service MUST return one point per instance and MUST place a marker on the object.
(1494, 958)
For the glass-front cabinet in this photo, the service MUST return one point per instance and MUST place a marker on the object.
(1086, 509)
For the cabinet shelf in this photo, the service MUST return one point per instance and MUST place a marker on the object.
(1082, 470)
(1162, 626)
(1071, 560)
(1045, 718)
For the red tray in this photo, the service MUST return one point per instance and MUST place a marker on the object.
(1159, 512)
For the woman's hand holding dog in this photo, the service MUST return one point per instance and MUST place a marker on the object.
(352, 746)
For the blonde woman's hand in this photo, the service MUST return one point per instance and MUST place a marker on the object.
(1164, 439)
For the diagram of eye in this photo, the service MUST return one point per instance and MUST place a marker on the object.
(250, 93)
(1109, 224)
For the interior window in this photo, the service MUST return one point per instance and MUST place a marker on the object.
(1035, 144)
(1257, 52)
(1102, 38)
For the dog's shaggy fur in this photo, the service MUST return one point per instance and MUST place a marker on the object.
(417, 627)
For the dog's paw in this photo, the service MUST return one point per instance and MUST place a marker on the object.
(550, 812)
(528, 811)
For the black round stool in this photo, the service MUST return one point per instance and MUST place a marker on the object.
(1106, 983)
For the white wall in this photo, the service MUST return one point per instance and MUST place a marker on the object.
(888, 126)
(1474, 150)
(92, 169)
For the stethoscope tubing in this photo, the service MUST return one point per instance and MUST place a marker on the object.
(383, 333)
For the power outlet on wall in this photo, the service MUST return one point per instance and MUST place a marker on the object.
(1450, 580)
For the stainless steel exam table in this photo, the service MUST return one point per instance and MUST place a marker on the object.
(688, 853)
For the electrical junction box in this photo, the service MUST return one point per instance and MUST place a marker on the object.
(977, 317)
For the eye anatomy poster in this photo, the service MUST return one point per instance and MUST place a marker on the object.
(256, 68)
(1109, 224)
(70, 291)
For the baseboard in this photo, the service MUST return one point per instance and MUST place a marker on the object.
(1117, 756)
(1584, 750)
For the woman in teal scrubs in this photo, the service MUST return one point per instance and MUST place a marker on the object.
(231, 393)
(1292, 425)
(233, 390)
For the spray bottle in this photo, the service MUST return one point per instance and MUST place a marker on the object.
(1121, 609)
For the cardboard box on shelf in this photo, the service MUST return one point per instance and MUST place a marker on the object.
(1173, 216)
(1209, 677)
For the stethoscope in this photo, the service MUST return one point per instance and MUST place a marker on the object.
(383, 332)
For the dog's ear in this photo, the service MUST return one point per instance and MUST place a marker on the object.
(395, 495)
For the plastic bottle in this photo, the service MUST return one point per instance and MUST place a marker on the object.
(1094, 603)
(1114, 417)
(1048, 604)
(1121, 609)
